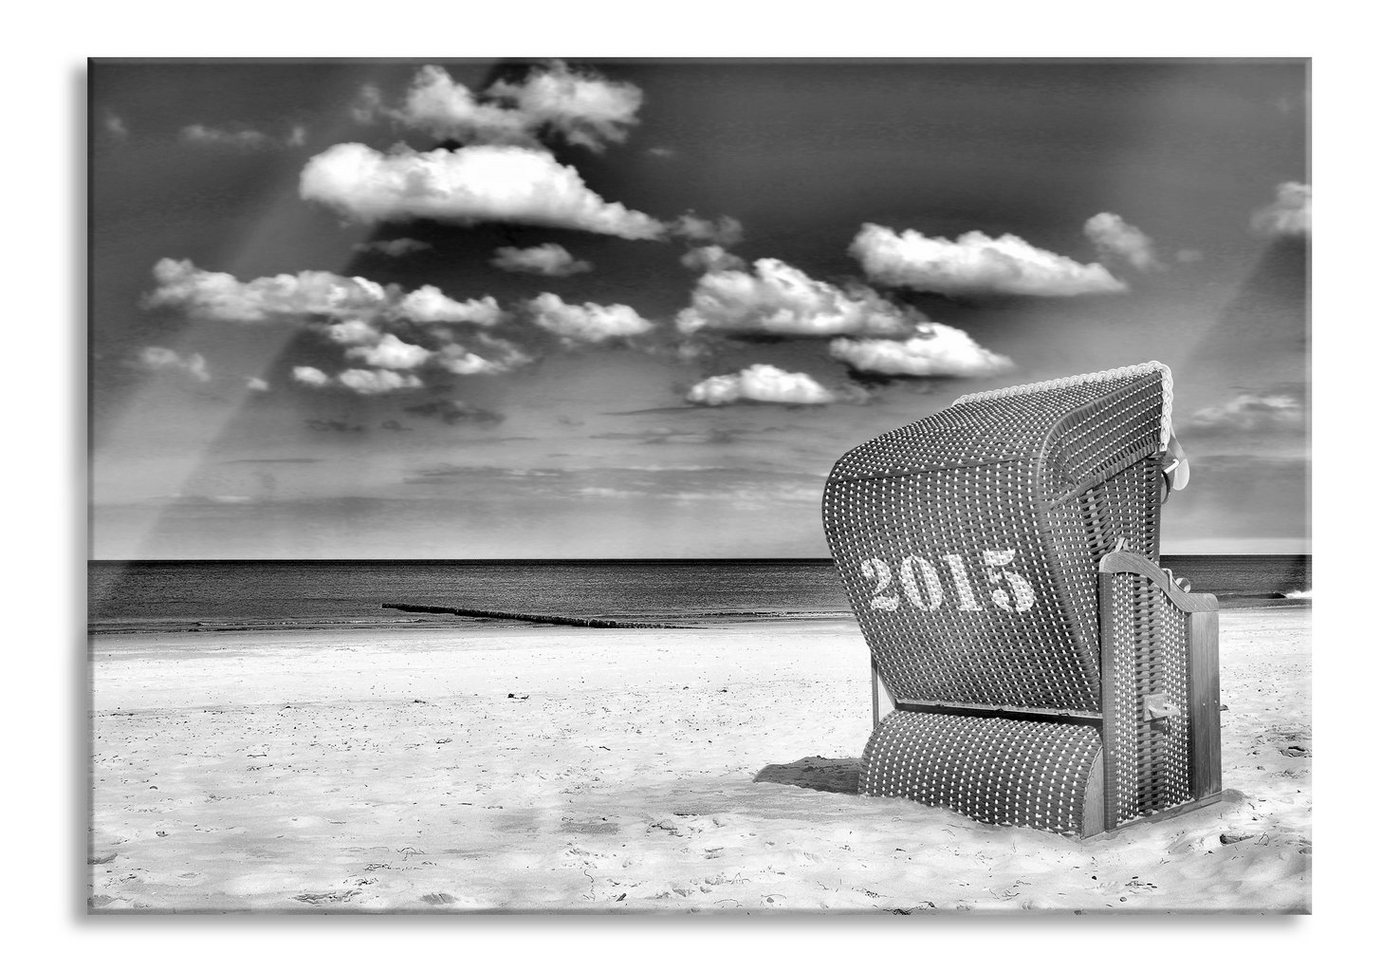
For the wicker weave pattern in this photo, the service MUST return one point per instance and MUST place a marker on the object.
(1150, 648)
(1054, 474)
(1122, 508)
(1098, 376)
(999, 771)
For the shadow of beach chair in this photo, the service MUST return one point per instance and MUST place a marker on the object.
(1000, 557)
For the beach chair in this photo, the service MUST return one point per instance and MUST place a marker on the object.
(1000, 557)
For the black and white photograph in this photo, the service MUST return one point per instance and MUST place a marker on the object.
(699, 486)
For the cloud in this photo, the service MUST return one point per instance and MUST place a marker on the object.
(428, 303)
(436, 104)
(165, 359)
(1252, 413)
(352, 332)
(360, 380)
(579, 107)
(257, 384)
(460, 361)
(391, 352)
(547, 260)
(356, 314)
(725, 231)
(243, 138)
(761, 383)
(974, 264)
(1116, 239)
(936, 351)
(587, 323)
(247, 139)
(711, 258)
(778, 299)
(307, 375)
(394, 363)
(114, 125)
(221, 296)
(310, 293)
(1290, 214)
(393, 248)
(378, 381)
(466, 186)
(368, 345)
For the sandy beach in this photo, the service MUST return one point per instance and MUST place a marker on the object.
(518, 768)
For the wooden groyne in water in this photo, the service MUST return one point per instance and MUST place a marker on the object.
(513, 616)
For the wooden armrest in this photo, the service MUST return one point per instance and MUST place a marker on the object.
(1128, 562)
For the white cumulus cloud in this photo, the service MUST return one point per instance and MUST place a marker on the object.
(378, 381)
(974, 263)
(385, 354)
(391, 352)
(586, 323)
(222, 296)
(503, 356)
(307, 375)
(352, 332)
(460, 361)
(310, 293)
(776, 298)
(579, 107)
(547, 260)
(937, 350)
(1290, 214)
(761, 383)
(428, 303)
(166, 359)
(466, 186)
(1117, 239)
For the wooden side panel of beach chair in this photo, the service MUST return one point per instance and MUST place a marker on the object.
(1161, 692)
(970, 544)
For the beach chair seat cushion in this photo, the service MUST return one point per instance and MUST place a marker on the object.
(1000, 771)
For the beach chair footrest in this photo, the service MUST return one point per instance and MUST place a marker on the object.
(1045, 775)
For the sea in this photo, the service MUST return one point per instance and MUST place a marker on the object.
(224, 595)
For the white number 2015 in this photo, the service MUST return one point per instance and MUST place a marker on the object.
(918, 579)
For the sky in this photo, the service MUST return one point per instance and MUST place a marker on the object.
(638, 309)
